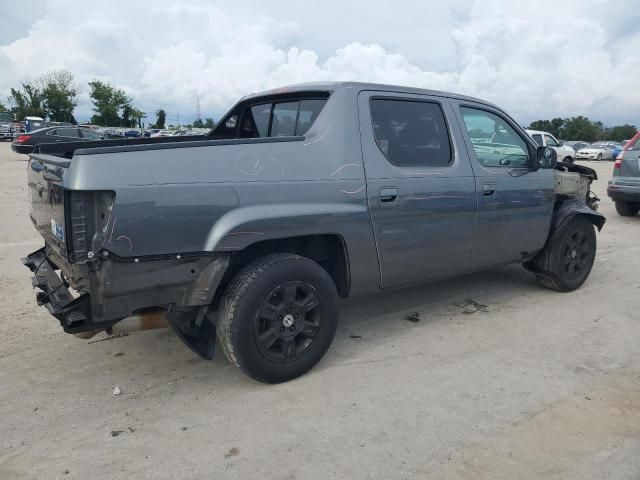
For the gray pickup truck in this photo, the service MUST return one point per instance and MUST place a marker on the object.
(300, 196)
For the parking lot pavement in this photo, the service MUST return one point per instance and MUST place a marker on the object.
(540, 385)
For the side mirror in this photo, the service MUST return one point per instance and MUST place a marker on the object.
(560, 143)
(546, 157)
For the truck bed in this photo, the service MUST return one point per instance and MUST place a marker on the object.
(66, 149)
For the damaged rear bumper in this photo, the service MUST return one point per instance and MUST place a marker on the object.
(74, 314)
(111, 289)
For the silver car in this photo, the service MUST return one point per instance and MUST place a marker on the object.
(596, 151)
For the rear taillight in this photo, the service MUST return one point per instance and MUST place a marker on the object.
(618, 162)
(23, 138)
(90, 215)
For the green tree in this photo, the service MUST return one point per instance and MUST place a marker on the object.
(209, 123)
(3, 108)
(581, 128)
(59, 95)
(112, 105)
(621, 132)
(198, 123)
(29, 101)
(161, 117)
(542, 125)
(554, 127)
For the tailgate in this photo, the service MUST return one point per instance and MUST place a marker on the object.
(47, 199)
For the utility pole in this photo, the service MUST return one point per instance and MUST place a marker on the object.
(198, 112)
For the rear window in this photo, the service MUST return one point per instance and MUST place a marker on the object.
(277, 117)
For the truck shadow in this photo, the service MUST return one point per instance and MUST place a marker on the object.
(373, 320)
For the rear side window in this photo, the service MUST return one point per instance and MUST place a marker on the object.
(411, 133)
(84, 133)
(284, 118)
(67, 132)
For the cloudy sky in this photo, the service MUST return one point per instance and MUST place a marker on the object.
(536, 59)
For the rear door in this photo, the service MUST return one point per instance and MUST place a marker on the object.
(420, 187)
(514, 204)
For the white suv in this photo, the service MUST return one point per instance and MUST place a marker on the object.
(545, 139)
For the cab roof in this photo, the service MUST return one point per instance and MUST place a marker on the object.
(341, 85)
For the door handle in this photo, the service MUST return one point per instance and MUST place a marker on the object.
(488, 189)
(388, 194)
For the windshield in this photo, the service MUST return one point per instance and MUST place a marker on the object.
(5, 117)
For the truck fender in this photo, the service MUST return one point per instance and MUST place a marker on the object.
(568, 209)
(241, 227)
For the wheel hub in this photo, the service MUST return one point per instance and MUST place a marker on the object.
(288, 320)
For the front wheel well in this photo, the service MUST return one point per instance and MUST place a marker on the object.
(328, 250)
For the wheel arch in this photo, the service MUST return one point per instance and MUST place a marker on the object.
(329, 250)
(567, 209)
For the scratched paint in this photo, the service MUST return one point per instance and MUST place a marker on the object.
(354, 191)
(124, 237)
(248, 163)
(342, 167)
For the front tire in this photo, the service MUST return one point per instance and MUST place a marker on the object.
(627, 209)
(278, 317)
(566, 261)
(599, 157)
(568, 160)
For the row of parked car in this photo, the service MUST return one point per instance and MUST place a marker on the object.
(24, 142)
(572, 150)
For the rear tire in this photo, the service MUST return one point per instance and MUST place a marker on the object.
(278, 317)
(566, 261)
(627, 209)
(599, 157)
(568, 160)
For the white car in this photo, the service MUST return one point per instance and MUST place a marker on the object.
(596, 151)
(545, 139)
(162, 133)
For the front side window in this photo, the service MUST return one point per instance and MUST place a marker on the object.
(495, 142)
(411, 133)
(551, 142)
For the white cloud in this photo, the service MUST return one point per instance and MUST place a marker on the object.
(536, 59)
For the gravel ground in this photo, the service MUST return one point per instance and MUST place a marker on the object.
(541, 385)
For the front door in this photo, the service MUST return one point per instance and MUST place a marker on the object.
(420, 186)
(515, 204)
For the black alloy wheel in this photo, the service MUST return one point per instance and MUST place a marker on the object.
(288, 322)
